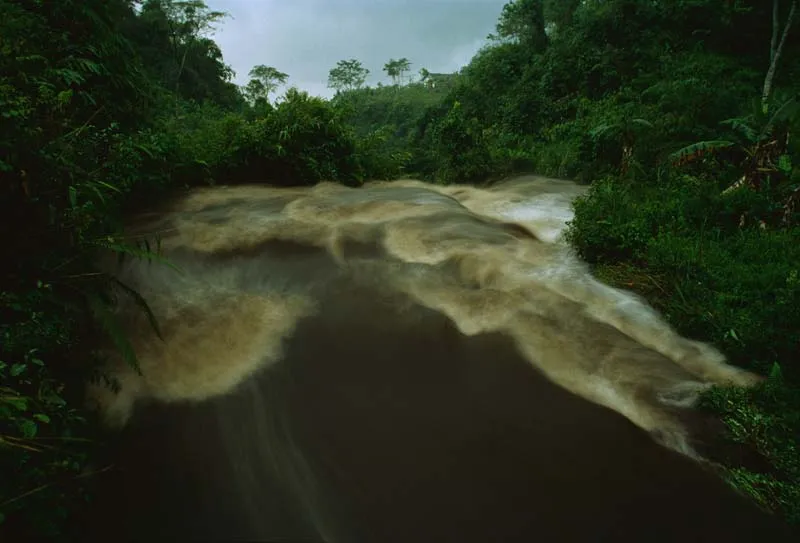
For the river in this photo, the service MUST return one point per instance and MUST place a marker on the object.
(402, 363)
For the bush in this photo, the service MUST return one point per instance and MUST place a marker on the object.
(85, 134)
(300, 141)
(679, 243)
(461, 149)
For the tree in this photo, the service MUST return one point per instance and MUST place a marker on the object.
(391, 70)
(174, 41)
(188, 22)
(347, 75)
(396, 68)
(263, 81)
(424, 75)
(776, 47)
(625, 131)
(404, 65)
(427, 78)
(523, 21)
(558, 14)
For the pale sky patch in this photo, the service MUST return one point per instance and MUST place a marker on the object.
(306, 38)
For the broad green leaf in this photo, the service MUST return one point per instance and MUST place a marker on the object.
(29, 428)
(775, 373)
(17, 402)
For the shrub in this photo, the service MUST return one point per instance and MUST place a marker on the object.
(681, 245)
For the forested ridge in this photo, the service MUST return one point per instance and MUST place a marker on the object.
(682, 115)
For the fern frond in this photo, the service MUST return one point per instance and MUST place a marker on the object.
(142, 303)
(108, 322)
(601, 129)
(141, 250)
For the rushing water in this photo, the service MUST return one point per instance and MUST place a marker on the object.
(402, 362)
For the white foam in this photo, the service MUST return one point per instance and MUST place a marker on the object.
(546, 215)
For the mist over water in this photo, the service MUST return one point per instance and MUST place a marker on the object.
(402, 362)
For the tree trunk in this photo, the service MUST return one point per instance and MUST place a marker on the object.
(539, 37)
(627, 156)
(773, 44)
(775, 52)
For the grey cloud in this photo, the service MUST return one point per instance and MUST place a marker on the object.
(305, 38)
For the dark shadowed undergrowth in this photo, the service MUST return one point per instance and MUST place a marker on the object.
(679, 244)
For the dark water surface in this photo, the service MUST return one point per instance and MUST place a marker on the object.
(391, 426)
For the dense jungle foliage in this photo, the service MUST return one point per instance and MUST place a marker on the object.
(681, 113)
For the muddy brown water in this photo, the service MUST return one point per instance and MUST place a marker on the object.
(409, 432)
(382, 422)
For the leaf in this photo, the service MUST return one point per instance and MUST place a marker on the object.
(601, 129)
(697, 150)
(70, 77)
(18, 402)
(87, 65)
(41, 417)
(29, 428)
(145, 150)
(134, 251)
(112, 188)
(108, 321)
(775, 373)
(63, 98)
(785, 164)
(743, 128)
(142, 303)
(643, 122)
(17, 369)
(53, 399)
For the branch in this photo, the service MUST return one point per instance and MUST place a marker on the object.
(180, 69)
(774, 42)
(773, 65)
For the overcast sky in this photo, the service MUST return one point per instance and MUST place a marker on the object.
(306, 38)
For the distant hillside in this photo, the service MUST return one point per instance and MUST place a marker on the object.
(394, 108)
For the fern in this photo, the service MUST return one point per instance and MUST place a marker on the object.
(142, 303)
(108, 321)
(642, 122)
(142, 251)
